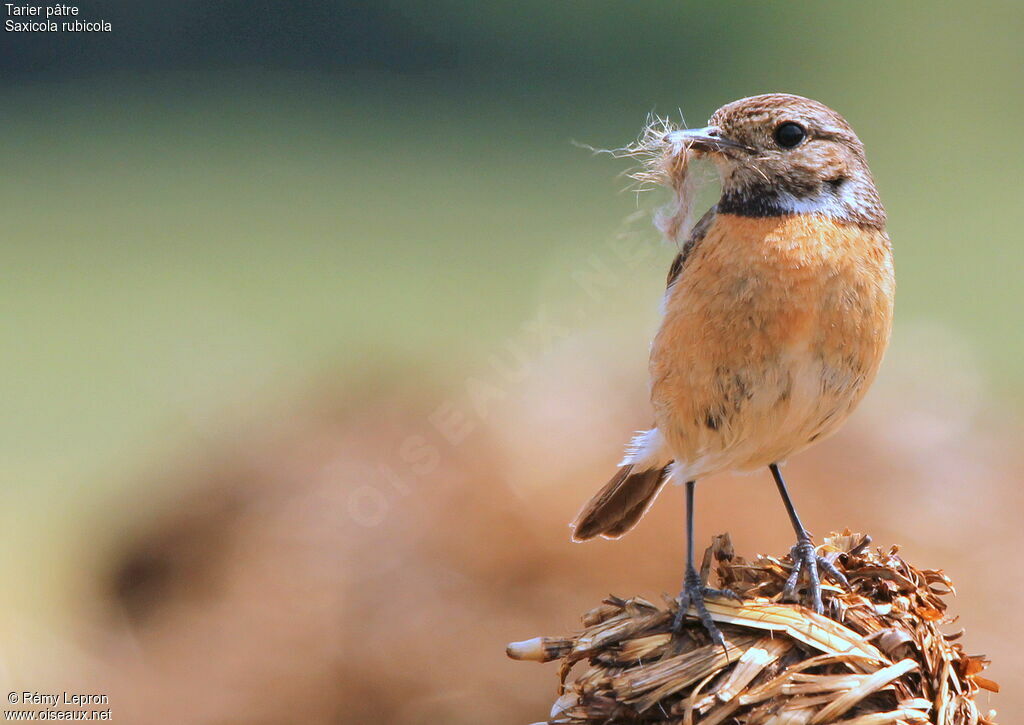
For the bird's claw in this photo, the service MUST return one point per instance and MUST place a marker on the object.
(806, 560)
(693, 593)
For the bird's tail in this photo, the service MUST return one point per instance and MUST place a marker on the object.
(620, 504)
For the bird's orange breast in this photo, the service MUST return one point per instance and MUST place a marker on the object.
(772, 333)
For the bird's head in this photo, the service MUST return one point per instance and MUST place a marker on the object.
(784, 154)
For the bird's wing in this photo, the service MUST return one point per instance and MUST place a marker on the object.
(700, 229)
(623, 501)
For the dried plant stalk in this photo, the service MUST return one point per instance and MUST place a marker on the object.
(880, 657)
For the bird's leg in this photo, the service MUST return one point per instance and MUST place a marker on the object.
(694, 591)
(805, 559)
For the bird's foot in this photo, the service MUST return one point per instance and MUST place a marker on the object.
(693, 594)
(806, 561)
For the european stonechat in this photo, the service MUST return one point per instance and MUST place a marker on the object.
(778, 310)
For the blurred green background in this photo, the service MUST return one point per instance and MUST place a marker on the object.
(219, 202)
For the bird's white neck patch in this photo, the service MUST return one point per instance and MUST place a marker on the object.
(825, 202)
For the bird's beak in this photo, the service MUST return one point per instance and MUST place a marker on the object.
(709, 138)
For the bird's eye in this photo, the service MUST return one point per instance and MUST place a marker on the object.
(789, 134)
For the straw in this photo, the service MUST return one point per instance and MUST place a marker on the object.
(880, 656)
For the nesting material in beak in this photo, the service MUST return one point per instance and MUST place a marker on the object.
(665, 152)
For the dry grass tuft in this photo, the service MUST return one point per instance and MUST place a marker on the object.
(879, 658)
(663, 162)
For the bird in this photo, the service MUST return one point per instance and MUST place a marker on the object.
(776, 315)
